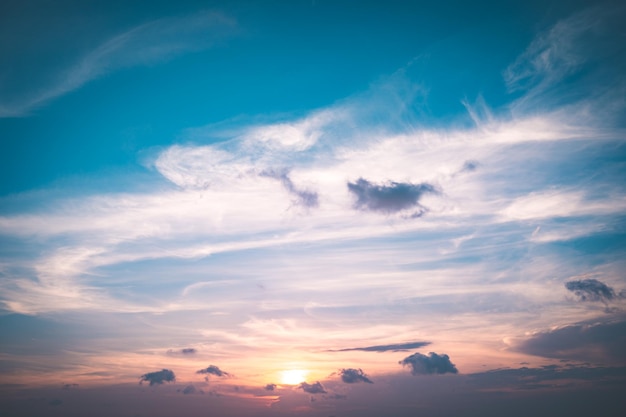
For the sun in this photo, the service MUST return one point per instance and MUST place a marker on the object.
(293, 376)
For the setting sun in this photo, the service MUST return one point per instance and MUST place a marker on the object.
(293, 376)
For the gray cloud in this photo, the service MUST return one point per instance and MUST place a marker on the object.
(431, 364)
(390, 197)
(213, 370)
(352, 376)
(304, 198)
(315, 388)
(596, 342)
(544, 377)
(270, 387)
(184, 351)
(591, 290)
(190, 389)
(469, 166)
(396, 347)
(158, 377)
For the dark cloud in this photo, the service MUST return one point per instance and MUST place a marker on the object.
(304, 198)
(595, 342)
(397, 347)
(184, 351)
(390, 197)
(158, 377)
(315, 388)
(546, 377)
(591, 290)
(431, 364)
(213, 370)
(270, 387)
(351, 376)
(70, 386)
(189, 389)
(469, 166)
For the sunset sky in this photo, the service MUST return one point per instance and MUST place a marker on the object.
(312, 207)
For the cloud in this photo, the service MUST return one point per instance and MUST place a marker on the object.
(143, 45)
(351, 376)
(183, 351)
(213, 370)
(304, 198)
(190, 389)
(270, 387)
(315, 388)
(396, 347)
(390, 197)
(591, 290)
(158, 377)
(546, 377)
(583, 45)
(596, 342)
(428, 365)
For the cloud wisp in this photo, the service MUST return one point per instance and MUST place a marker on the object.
(305, 198)
(146, 44)
(430, 364)
(395, 347)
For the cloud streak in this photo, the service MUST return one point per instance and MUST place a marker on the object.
(143, 45)
(396, 347)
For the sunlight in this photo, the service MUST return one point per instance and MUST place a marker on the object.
(293, 376)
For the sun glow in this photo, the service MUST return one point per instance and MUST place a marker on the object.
(293, 376)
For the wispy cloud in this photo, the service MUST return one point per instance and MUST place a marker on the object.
(396, 347)
(304, 197)
(146, 44)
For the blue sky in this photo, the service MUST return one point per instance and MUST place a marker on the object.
(312, 207)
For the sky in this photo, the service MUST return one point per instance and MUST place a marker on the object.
(315, 208)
